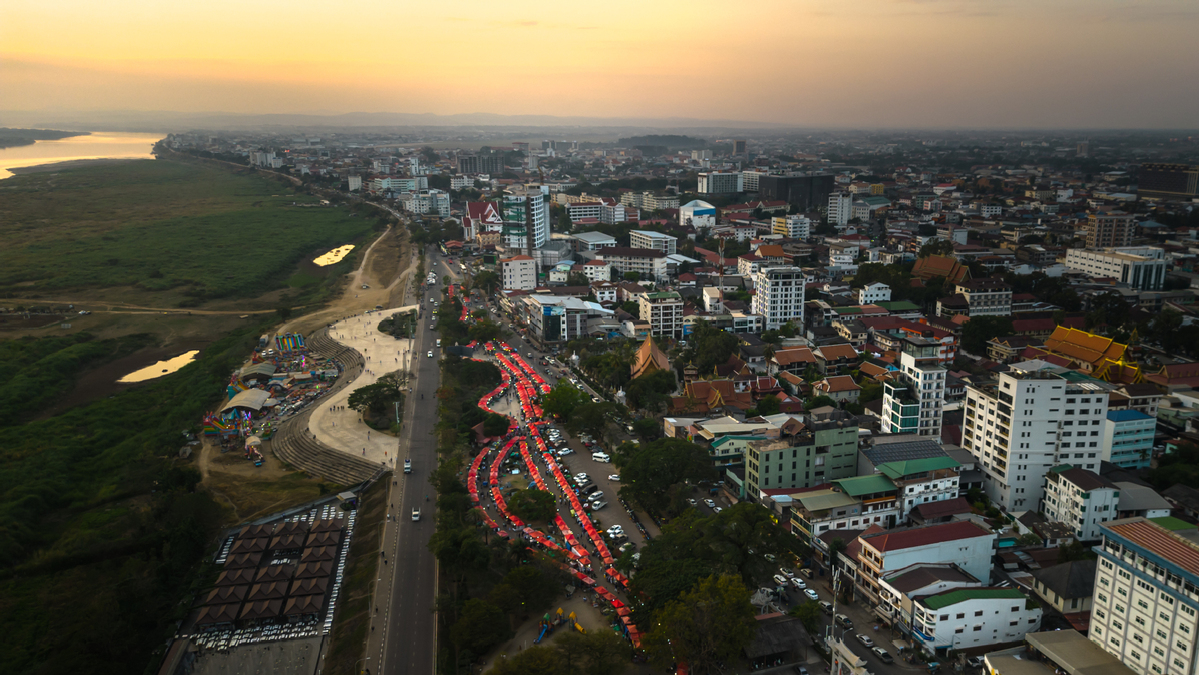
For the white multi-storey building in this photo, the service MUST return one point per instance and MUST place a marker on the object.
(1028, 422)
(914, 402)
(750, 180)
(874, 292)
(516, 219)
(663, 311)
(653, 240)
(429, 201)
(779, 295)
(354, 183)
(792, 227)
(964, 542)
(518, 273)
(698, 214)
(1145, 610)
(717, 183)
(1080, 499)
(965, 618)
(1141, 267)
(840, 208)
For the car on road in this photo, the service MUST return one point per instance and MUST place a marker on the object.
(711, 504)
(596, 496)
(811, 593)
(798, 583)
(407, 466)
(595, 399)
(786, 572)
(780, 580)
(883, 655)
(596, 506)
(865, 639)
(717, 509)
(843, 621)
(430, 353)
(692, 502)
(801, 670)
(806, 572)
(826, 606)
(614, 477)
(415, 514)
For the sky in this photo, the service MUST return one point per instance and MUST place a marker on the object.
(807, 63)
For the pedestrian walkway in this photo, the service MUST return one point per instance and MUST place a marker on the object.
(333, 422)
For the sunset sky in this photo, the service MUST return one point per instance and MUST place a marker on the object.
(886, 63)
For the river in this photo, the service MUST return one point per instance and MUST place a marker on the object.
(97, 145)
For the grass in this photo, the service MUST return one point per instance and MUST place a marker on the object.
(162, 225)
(352, 621)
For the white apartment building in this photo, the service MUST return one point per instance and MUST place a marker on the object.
(649, 201)
(653, 240)
(914, 402)
(597, 270)
(461, 182)
(1144, 611)
(717, 183)
(518, 273)
(663, 311)
(516, 219)
(1026, 423)
(792, 227)
(1141, 267)
(779, 295)
(874, 292)
(355, 183)
(751, 179)
(840, 208)
(964, 542)
(1080, 499)
(987, 297)
(698, 214)
(430, 201)
(922, 481)
(966, 618)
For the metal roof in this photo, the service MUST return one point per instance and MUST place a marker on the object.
(910, 467)
(865, 485)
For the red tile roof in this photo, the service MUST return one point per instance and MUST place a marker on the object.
(1159, 540)
(924, 536)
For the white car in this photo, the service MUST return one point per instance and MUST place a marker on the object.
(430, 353)
(415, 514)
(780, 580)
(615, 529)
(798, 583)
(717, 509)
(596, 496)
(811, 594)
(614, 477)
(692, 502)
(581, 475)
(865, 639)
(711, 504)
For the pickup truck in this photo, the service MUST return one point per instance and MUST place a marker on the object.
(407, 466)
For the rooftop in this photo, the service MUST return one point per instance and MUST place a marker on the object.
(1172, 545)
(900, 469)
(894, 540)
(953, 597)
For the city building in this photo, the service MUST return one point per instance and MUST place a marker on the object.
(922, 481)
(840, 208)
(518, 273)
(1081, 500)
(1058, 652)
(1147, 595)
(650, 201)
(1168, 181)
(968, 618)
(429, 201)
(653, 240)
(719, 183)
(354, 183)
(874, 292)
(648, 263)
(989, 296)
(593, 241)
(792, 227)
(1106, 230)
(1141, 267)
(663, 311)
(897, 590)
(779, 295)
(913, 402)
(1128, 438)
(556, 319)
(964, 542)
(808, 192)
(481, 217)
(698, 214)
(823, 450)
(1026, 423)
(525, 208)
(1066, 586)
(490, 163)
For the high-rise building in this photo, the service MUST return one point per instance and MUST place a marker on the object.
(779, 295)
(840, 208)
(825, 450)
(355, 183)
(749, 180)
(1109, 229)
(1028, 422)
(808, 192)
(490, 163)
(1141, 267)
(653, 240)
(792, 227)
(1081, 500)
(739, 147)
(663, 311)
(1168, 181)
(914, 402)
(518, 273)
(517, 219)
(717, 183)
(1128, 438)
(1146, 601)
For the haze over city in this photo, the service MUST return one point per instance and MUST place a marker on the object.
(876, 63)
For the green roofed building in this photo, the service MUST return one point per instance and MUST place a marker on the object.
(969, 618)
(922, 481)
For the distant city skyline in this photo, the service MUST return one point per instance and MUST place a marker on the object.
(875, 63)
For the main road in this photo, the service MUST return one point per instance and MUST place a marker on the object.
(403, 639)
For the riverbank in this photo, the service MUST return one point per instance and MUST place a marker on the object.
(73, 164)
(16, 138)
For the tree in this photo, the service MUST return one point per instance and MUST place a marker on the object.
(649, 392)
(533, 504)
(632, 276)
(480, 626)
(376, 397)
(284, 313)
(590, 418)
(768, 405)
(1075, 550)
(1029, 539)
(808, 613)
(601, 652)
(484, 331)
(577, 279)
(835, 548)
(646, 428)
(488, 281)
(495, 425)
(563, 399)
(939, 247)
(708, 625)
(707, 348)
(979, 329)
(649, 472)
(820, 402)
(536, 660)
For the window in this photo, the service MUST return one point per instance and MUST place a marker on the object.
(977, 628)
(960, 616)
(978, 613)
(959, 630)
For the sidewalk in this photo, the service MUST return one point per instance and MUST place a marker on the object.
(344, 429)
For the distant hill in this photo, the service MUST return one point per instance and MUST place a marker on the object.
(11, 138)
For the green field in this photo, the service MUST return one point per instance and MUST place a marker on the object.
(204, 232)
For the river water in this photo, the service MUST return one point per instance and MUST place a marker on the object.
(97, 145)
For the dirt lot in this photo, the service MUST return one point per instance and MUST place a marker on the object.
(254, 491)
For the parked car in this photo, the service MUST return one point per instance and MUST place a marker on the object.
(596, 496)
(883, 655)
(780, 580)
(811, 593)
(711, 504)
(692, 502)
(806, 572)
(614, 477)
(843, 621)
(798, 583)
(826, 606)
(596, 506)
(975, 662)
(865, 639)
